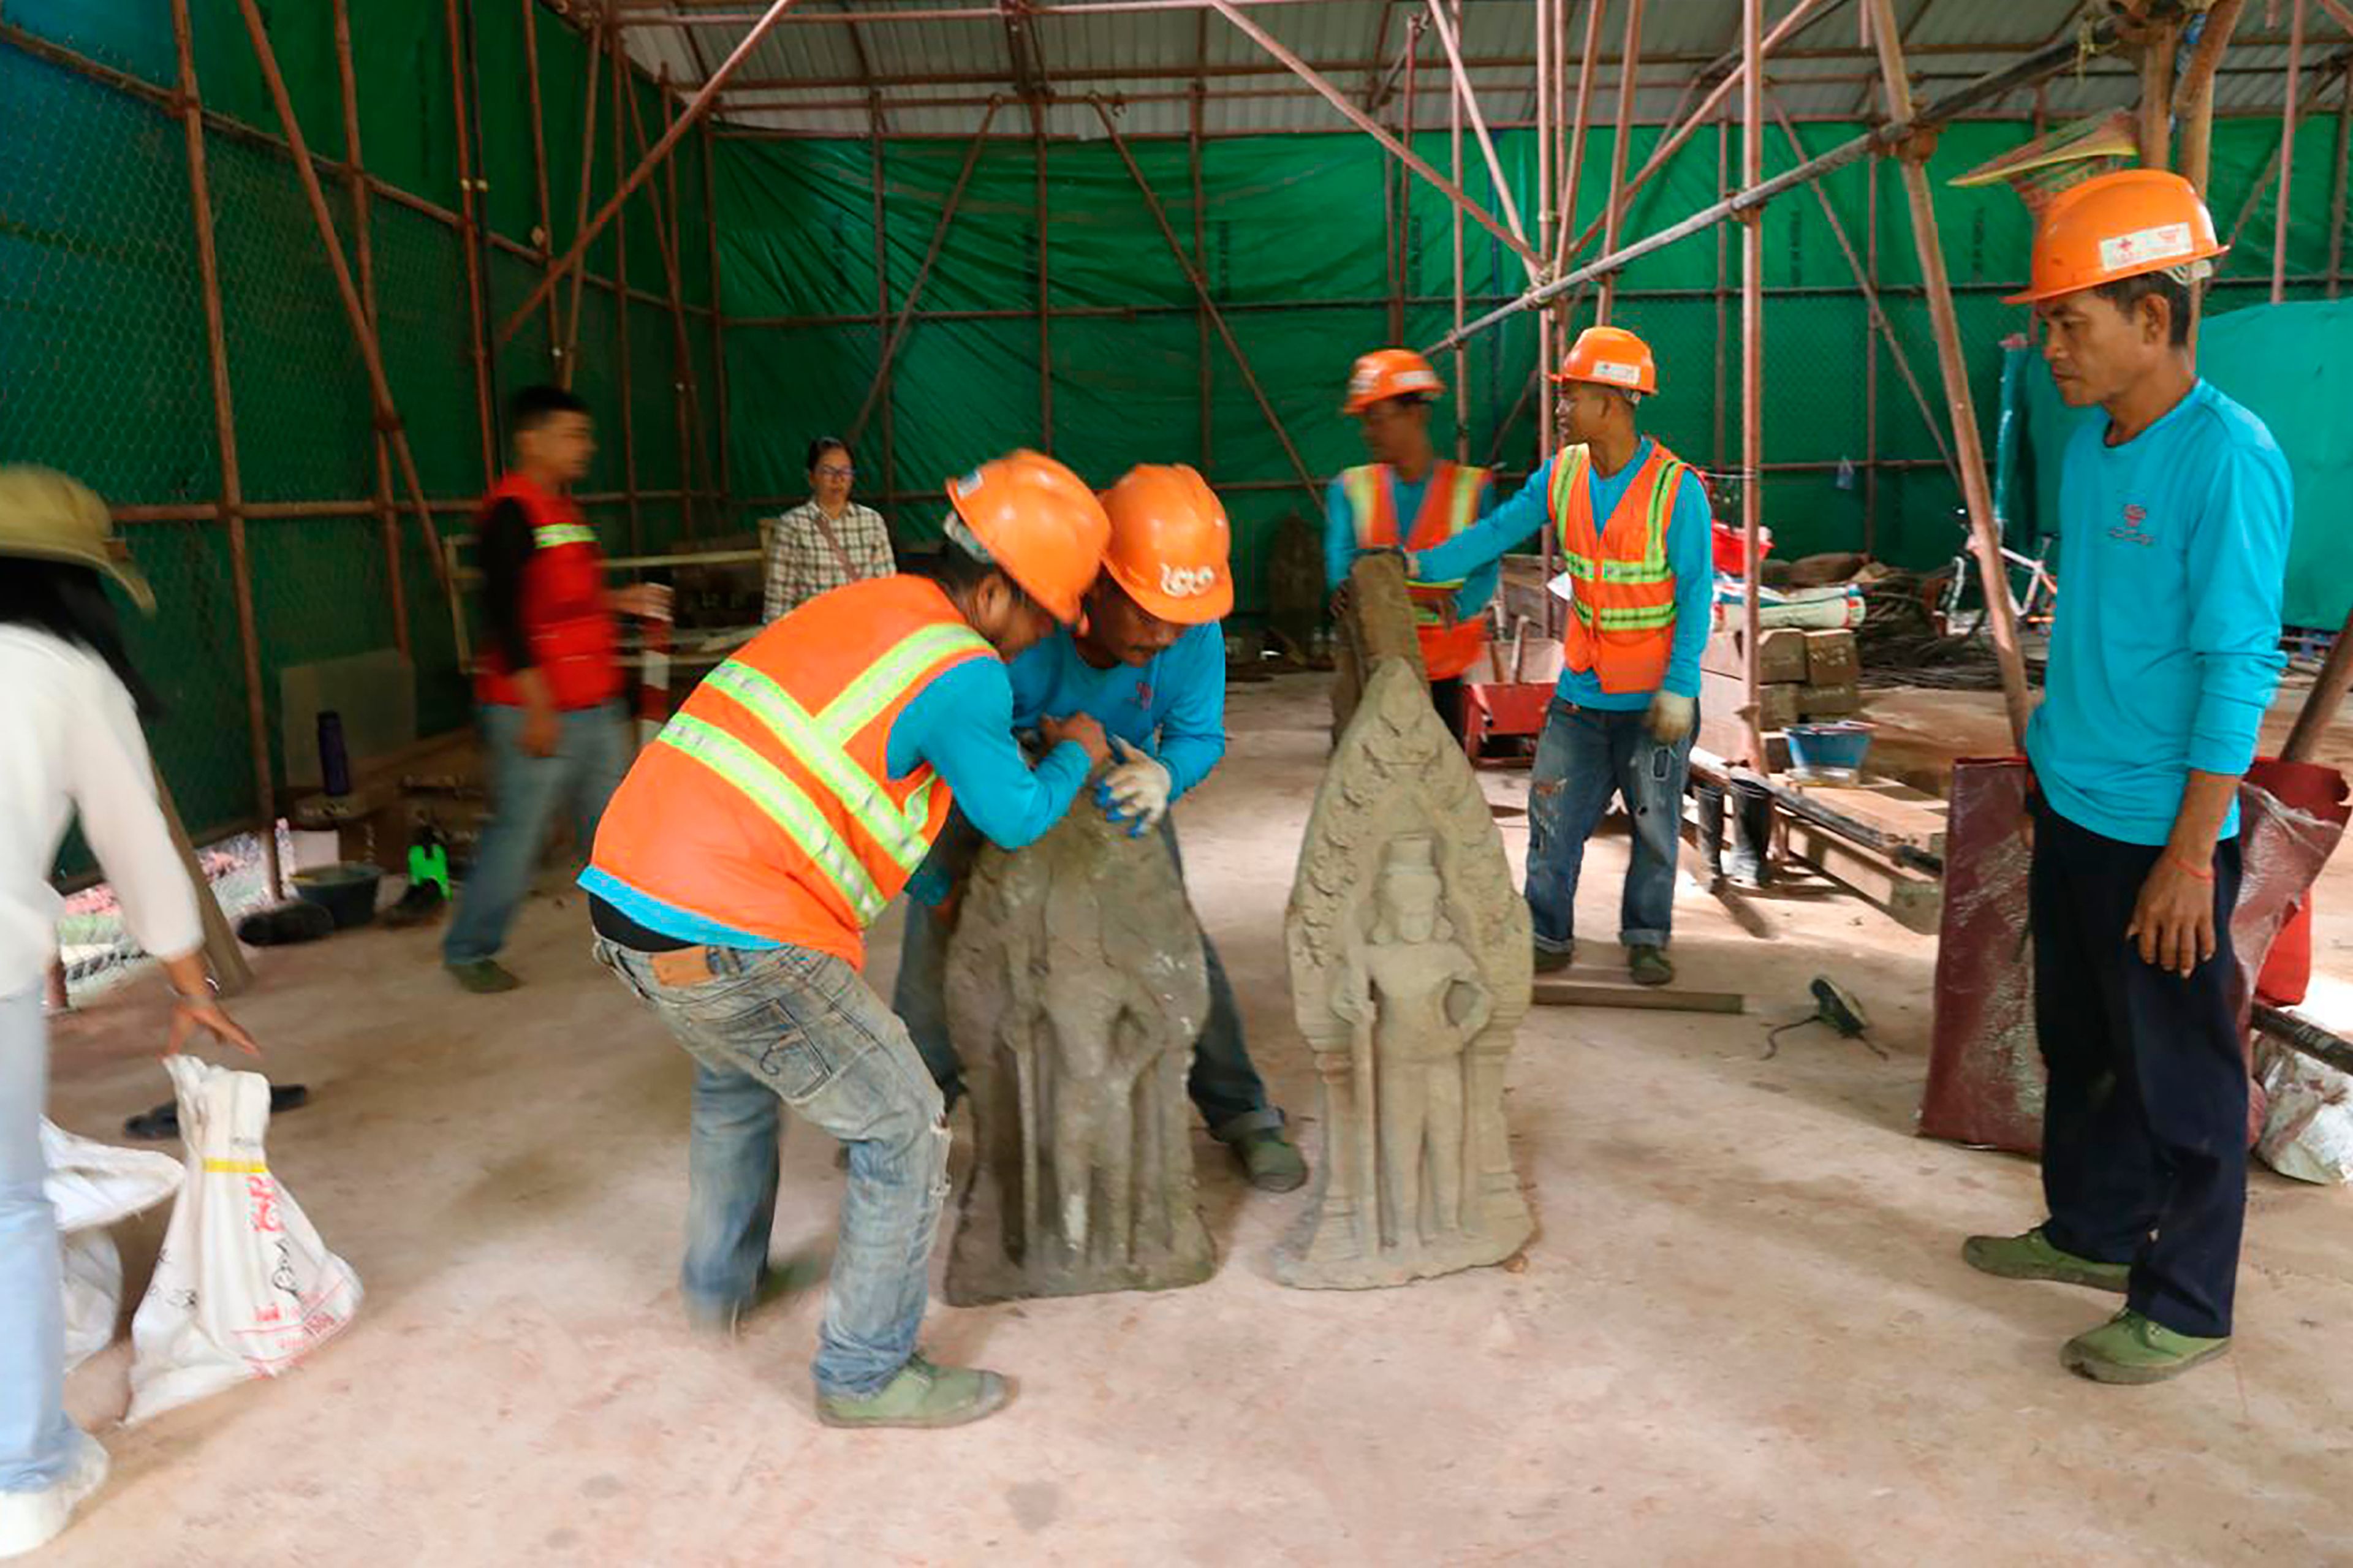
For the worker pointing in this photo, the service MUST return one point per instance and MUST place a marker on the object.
(1148, 662)
(2176, 505)
(762, 833)
(1632, 522)
(1408, 498)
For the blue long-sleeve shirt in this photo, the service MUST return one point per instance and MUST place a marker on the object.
(1340, 545)
(1173, 708)
(1689, 553)
(2165, 650)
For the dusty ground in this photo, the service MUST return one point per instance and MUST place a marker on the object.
(1743, 1334)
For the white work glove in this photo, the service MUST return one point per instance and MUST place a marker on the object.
(1138, 786)
(1671, 718)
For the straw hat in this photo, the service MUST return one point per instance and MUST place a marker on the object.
(46, 516)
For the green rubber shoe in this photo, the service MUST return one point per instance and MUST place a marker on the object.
(1552, 961)
(2032, 1256)
(483, 977)
(1273, 1164)
(2130, 1348)
(1650, 966)
(921, 1395)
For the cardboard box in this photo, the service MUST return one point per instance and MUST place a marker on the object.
(1832, 658)
(1843, 701)
(1780, 654)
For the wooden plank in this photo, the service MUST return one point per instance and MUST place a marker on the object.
(223, 956)
(1905, 814)
(1647, 998)
(1912, 900)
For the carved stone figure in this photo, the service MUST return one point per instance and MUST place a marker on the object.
(1372, 620)
(1409, 973)
(1075, 991)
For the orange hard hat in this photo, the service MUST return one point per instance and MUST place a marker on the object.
(1384, 373)
(1038, 520)
(2119, 225)
(1170, 544)
(1610, 356)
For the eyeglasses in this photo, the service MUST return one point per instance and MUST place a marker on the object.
(834, 471)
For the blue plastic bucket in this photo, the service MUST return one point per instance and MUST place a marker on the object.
(1828, 751)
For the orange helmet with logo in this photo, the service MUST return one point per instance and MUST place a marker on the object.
(1170, 544)
(1384, 373)
(1610, 356)
(1038, 520)
(2113, 226)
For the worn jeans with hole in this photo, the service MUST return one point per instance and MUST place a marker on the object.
(526, 793)
(38, 1443)
(794, 1027)
(1224, 1082)
(1584, 757)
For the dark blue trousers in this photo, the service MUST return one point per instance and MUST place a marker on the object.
(2144, 1134)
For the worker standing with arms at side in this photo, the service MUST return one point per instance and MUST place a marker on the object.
(1149, 662)
(760, 835)
(2176, 504)
(1408, 498)
(550, 677)
(1634, 526)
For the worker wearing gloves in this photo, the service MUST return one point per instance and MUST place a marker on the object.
(1634, 526)
(2176, 504)
(1408, 498)
(1148, 662)
(753, 843)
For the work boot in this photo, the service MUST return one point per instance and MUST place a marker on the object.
(1550, 961)
(1273, 1166)
(2032, 1256)
(921, 1395)
(1650, 966)
(483, 977)
(2130, 1348)
(29, 1521)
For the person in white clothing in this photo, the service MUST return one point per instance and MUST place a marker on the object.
(69, 742)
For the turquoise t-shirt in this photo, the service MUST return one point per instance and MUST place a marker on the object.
(1173, 707)
(1340, 547)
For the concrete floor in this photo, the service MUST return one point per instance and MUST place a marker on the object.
(1742, 1335)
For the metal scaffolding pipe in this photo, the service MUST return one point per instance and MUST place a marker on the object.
(1752, 379)
(1479, 127)
(1613, 211)
(2288, 150)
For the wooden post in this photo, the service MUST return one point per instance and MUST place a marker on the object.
(622, 90)
(2337, 202)
(1722, 281)
(387, 521)
(223, 956)
(2320, 704)
(1202, 265)
(1968, 446)
(539, 168)
(882, 311)
(718, 324)
(2288, 150)
(2157, 49)
(591, 60)
(1461, 351)
(1613, 212)
(1045, 283)
(2193, 96)
(232, 501)
(666, 242)
(469, 235)
(1752, 366)
(1871, 365)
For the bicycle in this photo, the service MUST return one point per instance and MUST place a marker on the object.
(1945, 588)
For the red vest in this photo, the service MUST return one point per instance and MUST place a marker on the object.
(572, 634)
(766, 803)
(1449, 505)
(1621, 623)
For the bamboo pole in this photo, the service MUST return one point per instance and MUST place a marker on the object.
(1461, 75)
(2294, 70)
(2321, 704)
(1201, 293)
(623, 92)
(1752, 368)
(388, 519)
(232, 501)
(882, 303)
(1984, 527)
(539, 162)
(725, 489)
(593, 52)
(2158, 47)
(2336, 201)
(1595, 12)
(1547, 220)
(1870, 370)
(1722, 281)
(469, 235)
(1461, 355)
(1045, 281)
(1400, 239)
(1613, 212)
(665, 215)
(1200, 264)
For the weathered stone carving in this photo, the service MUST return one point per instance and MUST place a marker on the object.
(1373, 620)
(1409, 973)
(1075, 991)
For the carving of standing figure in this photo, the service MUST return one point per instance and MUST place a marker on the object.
(1424, 1000)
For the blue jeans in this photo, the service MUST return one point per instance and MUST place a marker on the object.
(1224, 1082)
(525, 793)
(1584, 757)
(37, 1444)
(796, 1026)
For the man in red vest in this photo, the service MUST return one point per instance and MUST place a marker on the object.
(1634, 526)
(1408, 498)
(780, 810)
(549, 679)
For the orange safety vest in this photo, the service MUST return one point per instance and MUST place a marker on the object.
(767, 805)
(1621, 624)
(1449, 505)
(573, 635)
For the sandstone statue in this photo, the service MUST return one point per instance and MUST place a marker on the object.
(1075, 991)
(1409, 973)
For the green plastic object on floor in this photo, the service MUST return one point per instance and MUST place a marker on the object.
(429, 864)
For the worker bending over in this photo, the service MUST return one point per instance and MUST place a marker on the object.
(760, 835)
(1148, 662)
(1391, 392)
(1632, 522)
(2175, 502)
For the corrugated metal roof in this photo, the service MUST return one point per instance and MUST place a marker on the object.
(934, 75)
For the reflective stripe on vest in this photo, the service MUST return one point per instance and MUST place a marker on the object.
(1366, 487)
(550, 535)
(818, 741)
(1650, 571)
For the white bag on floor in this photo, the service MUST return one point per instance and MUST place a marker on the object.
(92, 1185)
(244, 1287)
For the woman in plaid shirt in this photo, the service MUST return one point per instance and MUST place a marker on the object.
(829, 539)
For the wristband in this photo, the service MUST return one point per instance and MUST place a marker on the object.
(201, 998)
(2188, 869)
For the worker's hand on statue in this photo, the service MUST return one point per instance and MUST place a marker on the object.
(647, 601)
(2173, 920)
(543, 730)
(1671, 718)
(1081, 731)
(1137, 787)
